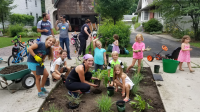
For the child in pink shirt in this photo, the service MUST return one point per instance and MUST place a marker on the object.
(138, 49)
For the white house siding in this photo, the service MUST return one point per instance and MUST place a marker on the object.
(144, 3)
(49, 6)
(31, 8)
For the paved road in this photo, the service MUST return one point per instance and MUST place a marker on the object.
(156, 43)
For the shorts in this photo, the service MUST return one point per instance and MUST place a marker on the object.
(32, 66)
(44, 37)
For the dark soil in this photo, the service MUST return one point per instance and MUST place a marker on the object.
(13, 69)
(96, 91)
(147, 90)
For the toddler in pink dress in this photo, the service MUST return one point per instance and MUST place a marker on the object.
(138, 49)
(184, 54)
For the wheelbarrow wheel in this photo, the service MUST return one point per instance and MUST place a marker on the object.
(28, 81)
(150, 58)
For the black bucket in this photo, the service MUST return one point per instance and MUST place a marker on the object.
(47, 82)
(121, 106)
(97, 82)
(156, 68)
(39, 70)
(110, 91)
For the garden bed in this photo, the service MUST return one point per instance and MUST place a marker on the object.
(147, 90)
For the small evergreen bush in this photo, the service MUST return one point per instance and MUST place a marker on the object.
(34, 28)
(152, 25)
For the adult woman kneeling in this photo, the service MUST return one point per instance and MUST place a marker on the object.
(60, 66)
(78, 79)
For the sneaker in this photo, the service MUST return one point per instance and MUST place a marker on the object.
(75, 94)
(88, 91)
(42, 95)
(69, 58)
(44, 90)
(78, 58)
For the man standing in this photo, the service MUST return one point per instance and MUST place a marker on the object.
(44, 26)
(64, 26)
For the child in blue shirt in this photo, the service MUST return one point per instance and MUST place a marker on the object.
(99, 55)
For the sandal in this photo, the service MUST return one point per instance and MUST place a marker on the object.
(54, 80)
(191, 71)
(181, 69)
(126, 100)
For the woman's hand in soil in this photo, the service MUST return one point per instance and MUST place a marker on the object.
(95, 86)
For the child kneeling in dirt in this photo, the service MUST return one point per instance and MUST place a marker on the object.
(60, 66)
(123, 81)
(111, 65)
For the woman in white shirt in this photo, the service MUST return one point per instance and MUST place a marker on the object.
(60, 66)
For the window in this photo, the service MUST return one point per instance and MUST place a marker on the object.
(146, 15)
(26, 4)
(159, 14)
(35, 3)
(36, 16)
(31, 13)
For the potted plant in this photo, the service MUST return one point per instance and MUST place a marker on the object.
(101, 74)
(73, 101)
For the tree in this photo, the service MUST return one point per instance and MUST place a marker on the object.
(114, 9)
(43, 6)
(133, 7)
(5, 8)
(171, 9)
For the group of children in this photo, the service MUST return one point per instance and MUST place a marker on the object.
(115, 66)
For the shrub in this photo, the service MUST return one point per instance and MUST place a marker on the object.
(15, 29)
(21, 19)
(134, 20)
(53, 108)
(108, 29)
(33, 34)
(55, 32)
(137, 25)
(34, 28)
(158, 32)
(23, 34)
(152, 25)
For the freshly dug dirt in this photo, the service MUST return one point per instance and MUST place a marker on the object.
(13, 69)
(96, 91)
(147, 90)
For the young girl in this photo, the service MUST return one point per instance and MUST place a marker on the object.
(115, 43)
(38, 52)
(122, 80)
(56, 50)
(184, 54)
(111, 65)
(60, 66)
(138, 49)
(99, 55)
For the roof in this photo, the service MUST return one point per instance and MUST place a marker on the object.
(139, 7)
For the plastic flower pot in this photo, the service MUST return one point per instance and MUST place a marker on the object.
(169, 65)
(110, 91)
(39, 70)
(121, 106)
(72, 105)
(156, 68)
(97, 82)
(47, 82)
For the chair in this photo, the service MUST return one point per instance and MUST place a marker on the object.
(174, 54)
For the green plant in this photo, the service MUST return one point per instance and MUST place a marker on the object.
(34, 28)
(21, 19)
(152, 25)
(23, 34)
(136, 78)
(15, 29)
(125, 66)
(100, 74)
(104, 103)
(141, 65)
(158, 32)
(136, 25)
(55, 32)
(53, 108)
(134, 90)
(74, 100)
(140, 104)
(107, 30)
(134, 20)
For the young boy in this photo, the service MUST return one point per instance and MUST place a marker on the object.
(111, 65)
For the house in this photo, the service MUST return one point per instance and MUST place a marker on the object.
(144, 12)
(76, 11)
(29, 7)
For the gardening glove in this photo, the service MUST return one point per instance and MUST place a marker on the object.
(38, 59)
(147, 49)
(42, 64)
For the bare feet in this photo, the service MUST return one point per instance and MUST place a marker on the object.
(181, 69)
(116, 89)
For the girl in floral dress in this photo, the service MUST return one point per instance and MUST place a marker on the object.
(184, 54)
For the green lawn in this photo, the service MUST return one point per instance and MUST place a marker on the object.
(195, 44)
(121, 55)
(6, 41)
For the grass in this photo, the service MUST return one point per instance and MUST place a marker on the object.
(6, 41)
(195, 44)
(129, 48)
